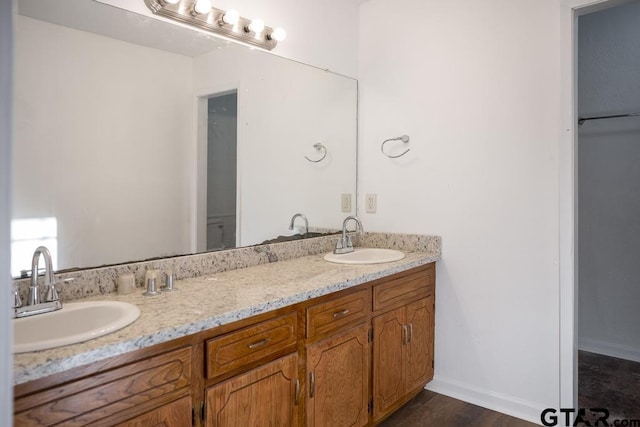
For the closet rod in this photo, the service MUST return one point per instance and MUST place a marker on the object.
(584, 119)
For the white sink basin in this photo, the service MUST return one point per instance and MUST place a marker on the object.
(75, 322)
(366, 256)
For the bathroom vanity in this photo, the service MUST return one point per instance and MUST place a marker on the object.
(296, 342)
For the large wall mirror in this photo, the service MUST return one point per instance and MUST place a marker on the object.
(136, 138)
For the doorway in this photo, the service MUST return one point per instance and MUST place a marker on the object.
(608, 209)
(221, 171)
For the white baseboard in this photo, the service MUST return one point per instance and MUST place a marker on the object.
(499, 402)
(610, 349)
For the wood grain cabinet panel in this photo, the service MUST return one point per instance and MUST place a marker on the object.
(266, 396)
(176, 414)
(405, 289)
(338, 382)
(419, 363)
(108, 395)
(402, 354)
(338, 313)
(271, 338)
(388, 361)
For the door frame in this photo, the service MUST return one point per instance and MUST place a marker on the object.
(570, 10)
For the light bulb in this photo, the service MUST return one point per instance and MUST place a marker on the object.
(231, 17)
(278, 34)
(257, 25)
(203, 6)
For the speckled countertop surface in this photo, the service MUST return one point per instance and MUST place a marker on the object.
(208, 301)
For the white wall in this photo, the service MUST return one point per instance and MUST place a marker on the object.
(274, 138)
(609, 182)
(322, 33)
(476, 85)
(90, 116)
(6, 117)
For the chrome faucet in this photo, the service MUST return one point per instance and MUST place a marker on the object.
(34, 289)
(344, 244)
(306, 222)
(51, 298)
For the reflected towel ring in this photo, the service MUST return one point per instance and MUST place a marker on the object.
(319, 147)
(403, 138)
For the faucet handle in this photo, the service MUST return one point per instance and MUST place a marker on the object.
(17, 301)
(51, 293)
(348, 243)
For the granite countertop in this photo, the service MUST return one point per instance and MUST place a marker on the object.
(208, 301)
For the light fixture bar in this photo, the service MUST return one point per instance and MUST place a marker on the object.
(185, 11)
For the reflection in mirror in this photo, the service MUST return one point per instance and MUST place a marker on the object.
(136, 138)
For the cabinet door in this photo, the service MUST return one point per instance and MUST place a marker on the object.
(110, 396)
(338, 383)
(176, 414)
(389, 339)
(265, 396)
(419, 349)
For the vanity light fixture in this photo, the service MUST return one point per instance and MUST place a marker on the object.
(231, 17)
(256, 25)
(278, 34)
(202, 7)
(202, 14)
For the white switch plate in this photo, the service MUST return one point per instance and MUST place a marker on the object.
(345, 202)
(371, 203)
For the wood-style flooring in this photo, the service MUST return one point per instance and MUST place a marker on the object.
(609, 383)
(435, 410)
(603, 382)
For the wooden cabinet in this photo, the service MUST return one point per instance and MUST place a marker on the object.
(111, 396)
(338, 380)
(175, 414)
(402, 343)
(265, 396)
(344, 359)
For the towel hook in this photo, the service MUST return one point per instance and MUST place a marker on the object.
(319, 147)
(403, 138)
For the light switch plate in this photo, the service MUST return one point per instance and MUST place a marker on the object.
(371, 203)
(345, 202)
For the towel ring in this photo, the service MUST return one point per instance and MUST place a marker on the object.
(403, 138)
(319, 147)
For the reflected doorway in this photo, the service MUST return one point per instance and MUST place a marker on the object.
(222, 143)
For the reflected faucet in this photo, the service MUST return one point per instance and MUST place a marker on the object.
(34, 289)
(344, 244)
(306, 222)
(51, 299)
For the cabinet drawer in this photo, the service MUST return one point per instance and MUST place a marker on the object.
(404, 290)
(270, 338)
(338, 313)
(127, 389)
